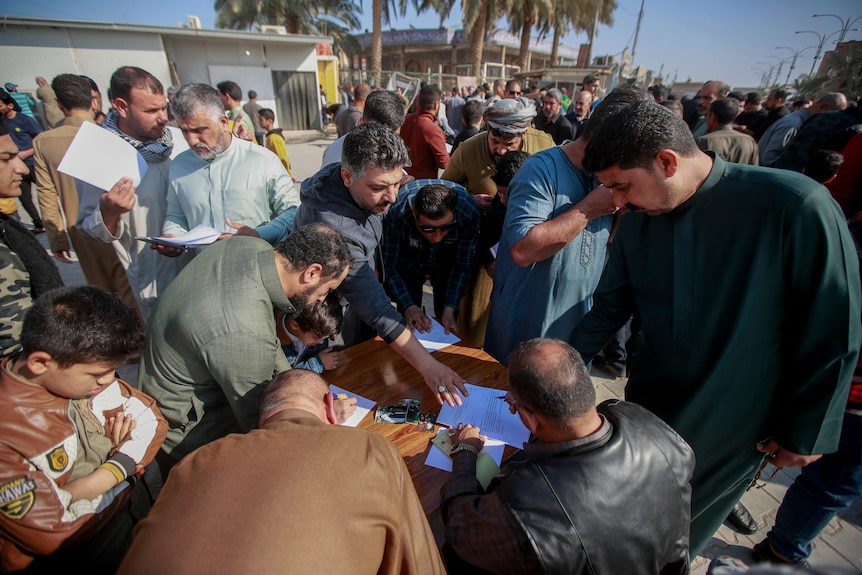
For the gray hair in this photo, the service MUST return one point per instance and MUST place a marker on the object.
(375, 145)
(191, 98)
(555, 94)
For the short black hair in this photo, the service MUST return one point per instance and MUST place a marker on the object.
(658, 91)
(386, 107)
(4, 131)
(93, 86)
(316, 244)
(72, 91)
(428, 96)
(232, 89)
(780, 93)
(434, 200)
(82, 324)
(618, 100)
(266, 113)
(373, 144)
(322, 318)
(823, 165)
(632, 137)
(725, 110)
(252, 94)
(127, 77)
(560, 390)
(507, 166)
(472, 112)
(752, 98)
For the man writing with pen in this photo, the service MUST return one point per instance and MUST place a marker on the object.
(430, 232)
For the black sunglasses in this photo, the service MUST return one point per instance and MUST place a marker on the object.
(432, 229)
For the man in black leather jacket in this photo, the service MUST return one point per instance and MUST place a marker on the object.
(600, 490)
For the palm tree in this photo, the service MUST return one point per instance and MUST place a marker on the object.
(580, 15)
(477, 17)
(320, 17)
(523, 15)
(380, 15)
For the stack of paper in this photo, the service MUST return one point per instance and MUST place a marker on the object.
(198, 237)
(436, 338)
(486, 409)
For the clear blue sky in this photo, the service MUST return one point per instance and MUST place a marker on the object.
(686, 38)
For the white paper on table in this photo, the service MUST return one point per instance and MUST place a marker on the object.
(437, 338)
(439, 460)
(363, 406)
(180, 144)
(100, 158)
(198, 236)
(486, 409)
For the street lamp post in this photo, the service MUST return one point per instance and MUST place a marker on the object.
(845, 25)
(781, 62)
(821, 40)
(796, 54)
(769, 73)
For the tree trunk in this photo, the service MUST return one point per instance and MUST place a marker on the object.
(524, 53)
(478, 42)
(376, 41)
(555, 49)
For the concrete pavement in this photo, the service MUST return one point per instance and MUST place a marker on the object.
(839, 545)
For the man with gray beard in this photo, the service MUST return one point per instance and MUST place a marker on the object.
(234, 186)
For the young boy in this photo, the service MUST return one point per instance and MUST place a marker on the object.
(273, 140)
(305, 337)
(73, 437)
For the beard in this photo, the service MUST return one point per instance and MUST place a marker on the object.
(209, 153)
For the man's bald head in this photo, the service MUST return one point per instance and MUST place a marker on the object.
(295, 389)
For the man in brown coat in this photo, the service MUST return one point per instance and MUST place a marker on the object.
(298, 495)
(58, 195)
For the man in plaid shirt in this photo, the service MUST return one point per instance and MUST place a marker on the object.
(430, 231)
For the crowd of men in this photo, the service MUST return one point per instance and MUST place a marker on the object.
(689, 245)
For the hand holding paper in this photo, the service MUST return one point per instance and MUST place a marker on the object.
(101, 158)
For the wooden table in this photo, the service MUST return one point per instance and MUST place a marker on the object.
(373, 370)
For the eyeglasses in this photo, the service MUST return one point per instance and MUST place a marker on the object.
(432, 229)
(514, 93)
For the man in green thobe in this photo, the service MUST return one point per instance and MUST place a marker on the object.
(746, 281)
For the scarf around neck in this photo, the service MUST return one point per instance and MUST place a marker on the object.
(153, 152)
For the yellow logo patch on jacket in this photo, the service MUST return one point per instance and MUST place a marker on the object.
(58, 459)
(17, 497)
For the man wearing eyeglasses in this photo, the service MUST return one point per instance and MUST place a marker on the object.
(513, 89)
(430, 231)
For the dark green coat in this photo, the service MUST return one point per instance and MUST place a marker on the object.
(750, 299)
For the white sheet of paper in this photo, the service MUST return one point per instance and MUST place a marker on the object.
(101, 158)
(363, 406)
(484, 409)
(439, 460)
(180, 144)
(198, 236)
(437, 338)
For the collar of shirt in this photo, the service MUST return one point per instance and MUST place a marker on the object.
(539, 449)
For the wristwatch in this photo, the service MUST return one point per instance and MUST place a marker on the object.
(464, 447)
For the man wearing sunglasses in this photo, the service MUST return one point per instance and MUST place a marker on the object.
(430, 231)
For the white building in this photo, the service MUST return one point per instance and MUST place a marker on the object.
(281, 68)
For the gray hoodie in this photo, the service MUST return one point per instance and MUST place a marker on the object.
(324, 198)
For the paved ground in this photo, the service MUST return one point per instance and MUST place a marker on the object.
(840, 544)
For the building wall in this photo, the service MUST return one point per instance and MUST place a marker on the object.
(38, 51)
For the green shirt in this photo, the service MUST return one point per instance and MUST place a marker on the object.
(750, 300)
(212, 342)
